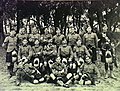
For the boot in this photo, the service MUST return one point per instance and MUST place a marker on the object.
(10, 70)
(106, 75)
(93, 81)
(83, 82)
(18, 82)
(60, 82)
(66, 85)
(111, 75)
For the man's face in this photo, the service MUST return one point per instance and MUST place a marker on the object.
(24, 21)
(35, 31)
(88, 60)
(105, 28)
(64, 44)
(58, 32)
(89, 29)
(25, 42)
(22, 31)
(58, 60)
(79, 43)
(72, 30)
(12, 33)
(46, 31)
(37, 42)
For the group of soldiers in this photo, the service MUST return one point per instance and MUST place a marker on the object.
(58, 59)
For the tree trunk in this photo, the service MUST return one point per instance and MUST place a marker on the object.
(99, 16)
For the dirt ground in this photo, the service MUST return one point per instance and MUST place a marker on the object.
(7, 84)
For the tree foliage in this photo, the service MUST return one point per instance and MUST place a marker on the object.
(99, 13)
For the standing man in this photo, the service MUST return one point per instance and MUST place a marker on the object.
(34, 36)
(21, 35)
(46, 36)
(90, 40)
(10, 43)
(108, 58)
(57, 39)
(73, 37)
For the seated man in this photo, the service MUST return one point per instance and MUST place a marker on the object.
(59, 73)
(49, 53)
(65, 51)
(80, 51)
(90, 71)
(39, 76)
(46, 37)
(25, 50)
(26, 71)
(37, 51)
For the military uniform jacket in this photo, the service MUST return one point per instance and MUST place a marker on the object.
(20, 37)
(90, 39)
(27, 69)
(25, 51)
(11, 43)
(59, 69)
(46, 37)
(36, 50)
(50, 50)
(58, 39)
(80, 51)
(65, 51)
(33, 37)
(72, 39)
(90, 69)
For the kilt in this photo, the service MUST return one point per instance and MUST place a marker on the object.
(9, 57)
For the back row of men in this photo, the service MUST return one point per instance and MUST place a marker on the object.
(48, 56)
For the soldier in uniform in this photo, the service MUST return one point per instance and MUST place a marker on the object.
(40, 73)
(26, 71)
(50, 53)
(46, 37)
(60, 73)
(90, 40)
(10, 44)
(37, 51)
(90, 71)
(65, 51)
(73, 37)
(80, 51)
(34, 36)
(57, 39)
(21, 35)
(25, 50)
(108, 58)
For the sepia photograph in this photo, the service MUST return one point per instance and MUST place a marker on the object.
(59, 45)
